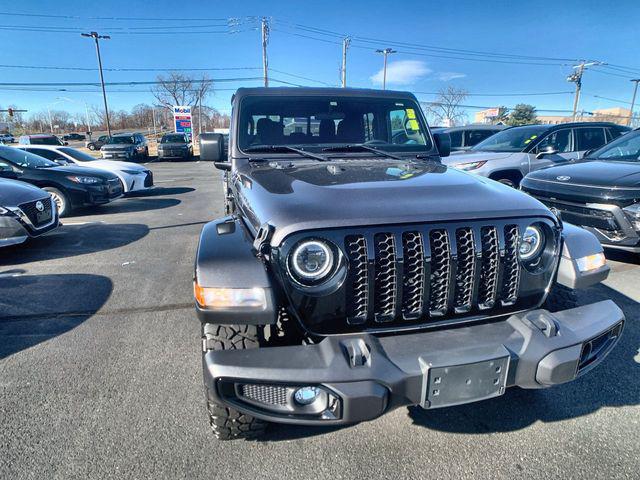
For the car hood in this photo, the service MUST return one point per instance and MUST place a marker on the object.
(601, 173)
(471, 156)
(311, 195)
(85, 171)
(112, 166)
(117, 148)
(13, 193)
(172, 145)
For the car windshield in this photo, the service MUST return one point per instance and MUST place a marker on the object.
(173, 139)
(25, 159)
(120, 140)
(511, 140)
(45, 140)
(315, 123)
(623, 149)
(78, 155)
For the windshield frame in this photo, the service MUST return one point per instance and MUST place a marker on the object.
(403, 102)
(174, 135)
(38, 161)
(131, 139)
(541, 129)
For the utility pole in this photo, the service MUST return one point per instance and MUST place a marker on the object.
(633, 100)
(345, 46)
(265, 42)
(97, 37)
(386, 52)
(576, 78)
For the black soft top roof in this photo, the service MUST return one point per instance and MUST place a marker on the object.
(313, 91)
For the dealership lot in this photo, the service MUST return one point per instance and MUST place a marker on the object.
(100, 371)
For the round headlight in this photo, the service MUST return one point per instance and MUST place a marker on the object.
(531, 243)
(311, 260)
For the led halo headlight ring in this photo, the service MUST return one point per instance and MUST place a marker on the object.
(531, 244)
(311, 261)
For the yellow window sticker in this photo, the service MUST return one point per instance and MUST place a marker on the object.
(413, 125)
(411, 113)
(528, 140)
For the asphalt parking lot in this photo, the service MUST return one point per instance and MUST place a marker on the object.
(100, 373)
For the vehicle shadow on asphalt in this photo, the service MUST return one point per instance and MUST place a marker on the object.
(129, 205)
(73, 240)
(160, 191)
(614, 383)
(622, 257)
(36, 308)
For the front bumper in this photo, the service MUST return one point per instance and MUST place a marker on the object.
(364, 376)
(175, 153)
(141, 181)
(116, 155)
(16, 227)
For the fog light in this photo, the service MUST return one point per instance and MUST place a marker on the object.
(591, 262)
(306, 395)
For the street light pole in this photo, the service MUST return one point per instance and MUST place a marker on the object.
(633, 100)
(386, 52)
(97, 37)
(345, 46)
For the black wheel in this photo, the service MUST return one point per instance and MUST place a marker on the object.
(560, 298)
(228, 423)
(91, 146)
(509, 182)
(61, 200)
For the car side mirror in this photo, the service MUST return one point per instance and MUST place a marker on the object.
(588, 152)
(547, 151)
(443, 143)
(10, 174)
(212, 148)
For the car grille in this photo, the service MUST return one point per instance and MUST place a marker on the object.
(114, 186)
(32, 212)
(148, 181)
(584, 216)
(458, 271)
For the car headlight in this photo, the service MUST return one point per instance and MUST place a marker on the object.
(531, 243)
(311, 260)
(469, 165)
(633, 214)
(84, 180)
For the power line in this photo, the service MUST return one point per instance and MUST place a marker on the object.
(78, 17)
(502, 94)
(148, 69)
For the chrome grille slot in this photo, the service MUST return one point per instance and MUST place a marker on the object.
(440, 271)
(487, 290)
(357, 280)
(511, 276)
(465, 273)
(412, 275)
(385, 277)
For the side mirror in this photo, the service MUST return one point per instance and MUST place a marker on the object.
(10, 174)
(443, 143)
(212, 148)
(547, 151)
(588, 152)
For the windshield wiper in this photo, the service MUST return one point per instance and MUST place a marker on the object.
(285, 148)
(360, 147)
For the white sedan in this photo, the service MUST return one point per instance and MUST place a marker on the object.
(134, 177)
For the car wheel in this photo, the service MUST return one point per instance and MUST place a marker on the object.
(62, 202)
(91, 146)
(509, 182)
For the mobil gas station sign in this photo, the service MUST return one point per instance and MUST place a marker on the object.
(182, 119)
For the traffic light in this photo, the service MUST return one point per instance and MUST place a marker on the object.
(10, 112)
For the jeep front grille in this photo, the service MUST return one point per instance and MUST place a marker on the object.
(427, 274)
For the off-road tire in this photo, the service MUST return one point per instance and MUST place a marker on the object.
(228, 423)
(560, 298)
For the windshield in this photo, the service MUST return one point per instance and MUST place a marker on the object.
(318, 122)
(511, 140)
(45, 140)
(173, 139)
(78, 155)
(120, 140)
(25, 159)
(623, 149)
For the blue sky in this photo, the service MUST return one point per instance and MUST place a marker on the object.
(568, 29)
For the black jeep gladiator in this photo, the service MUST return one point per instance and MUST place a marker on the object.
(355, 274)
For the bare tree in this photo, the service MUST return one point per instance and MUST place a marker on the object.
(447, 109)
(180, 89)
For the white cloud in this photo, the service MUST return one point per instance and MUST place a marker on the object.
(446, 76)
(402, 72)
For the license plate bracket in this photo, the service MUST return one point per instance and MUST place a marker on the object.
(446, 386)
(43, 217)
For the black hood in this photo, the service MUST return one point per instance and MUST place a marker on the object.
(13, 193)
(310, 195)
(117, 147)
(597, 181)
(84, 171)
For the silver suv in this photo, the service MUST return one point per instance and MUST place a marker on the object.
(510, 154)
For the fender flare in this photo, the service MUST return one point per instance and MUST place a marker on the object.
(226, 259)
